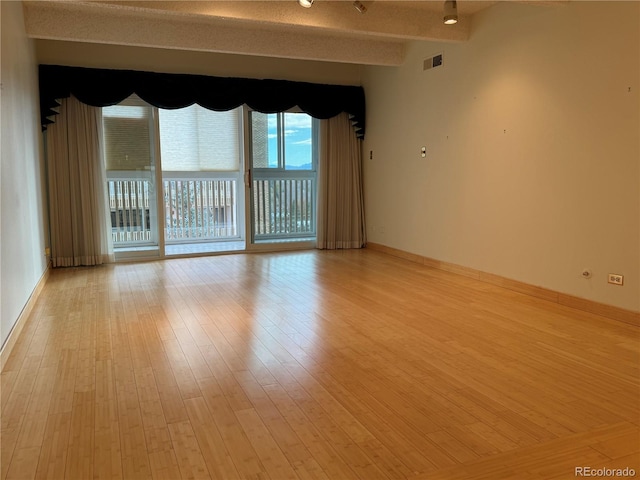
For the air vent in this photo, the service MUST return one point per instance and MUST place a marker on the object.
(432, 62)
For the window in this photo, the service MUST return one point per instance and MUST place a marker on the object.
(200, 152)
(283, 170)
(129, 162)
(283, 140)
(198, 173)
(195, 157)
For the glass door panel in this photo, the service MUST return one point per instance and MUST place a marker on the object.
(283, 177)
(130, 168)
(203, 196)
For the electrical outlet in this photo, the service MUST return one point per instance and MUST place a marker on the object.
(47, 252)
(615, 279)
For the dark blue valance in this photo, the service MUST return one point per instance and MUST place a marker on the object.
(102, 87)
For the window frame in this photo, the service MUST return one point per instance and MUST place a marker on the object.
(256, 174)
(281, 137)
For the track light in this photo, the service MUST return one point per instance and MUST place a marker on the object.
(305, 3)
(450, 12)
(359, 6)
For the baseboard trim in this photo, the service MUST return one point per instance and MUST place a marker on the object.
(12, 338)
(604, 310)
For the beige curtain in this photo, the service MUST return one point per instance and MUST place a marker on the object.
(340, 194)
(80, 232)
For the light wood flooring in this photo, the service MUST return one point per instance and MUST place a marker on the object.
(312, 365)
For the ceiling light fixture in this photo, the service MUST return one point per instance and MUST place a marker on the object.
(305, 3)
(450, 12)
(361, 7)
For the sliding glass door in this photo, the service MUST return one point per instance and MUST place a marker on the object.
(203, 196)
(130, 162)
(176, 181)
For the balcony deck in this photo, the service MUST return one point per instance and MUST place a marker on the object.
(202, 248)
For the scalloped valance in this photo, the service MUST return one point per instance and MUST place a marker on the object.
(103, 87)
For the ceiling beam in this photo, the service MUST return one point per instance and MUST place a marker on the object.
(404, 20)
(330, 31)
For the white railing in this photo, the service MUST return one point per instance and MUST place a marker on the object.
(283, 208)
(194, 210)
(129, 207)
(200, 209)
(205, 209)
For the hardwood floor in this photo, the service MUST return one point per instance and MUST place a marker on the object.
(312, 365)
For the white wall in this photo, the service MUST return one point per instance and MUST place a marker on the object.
(22, 230)
(533, 137)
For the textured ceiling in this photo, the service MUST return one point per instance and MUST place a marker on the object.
(329, 30)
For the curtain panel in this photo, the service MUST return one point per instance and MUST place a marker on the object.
(78, 206)
(340, 206)
(103, 87)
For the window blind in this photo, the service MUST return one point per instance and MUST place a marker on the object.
(194, 139)
(127, 136)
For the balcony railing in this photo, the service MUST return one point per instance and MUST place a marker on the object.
(205, 209)
(200, 210)
(129, 207)
(284, 208)
(194, 210)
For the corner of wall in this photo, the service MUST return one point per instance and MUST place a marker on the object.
(22, 182)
